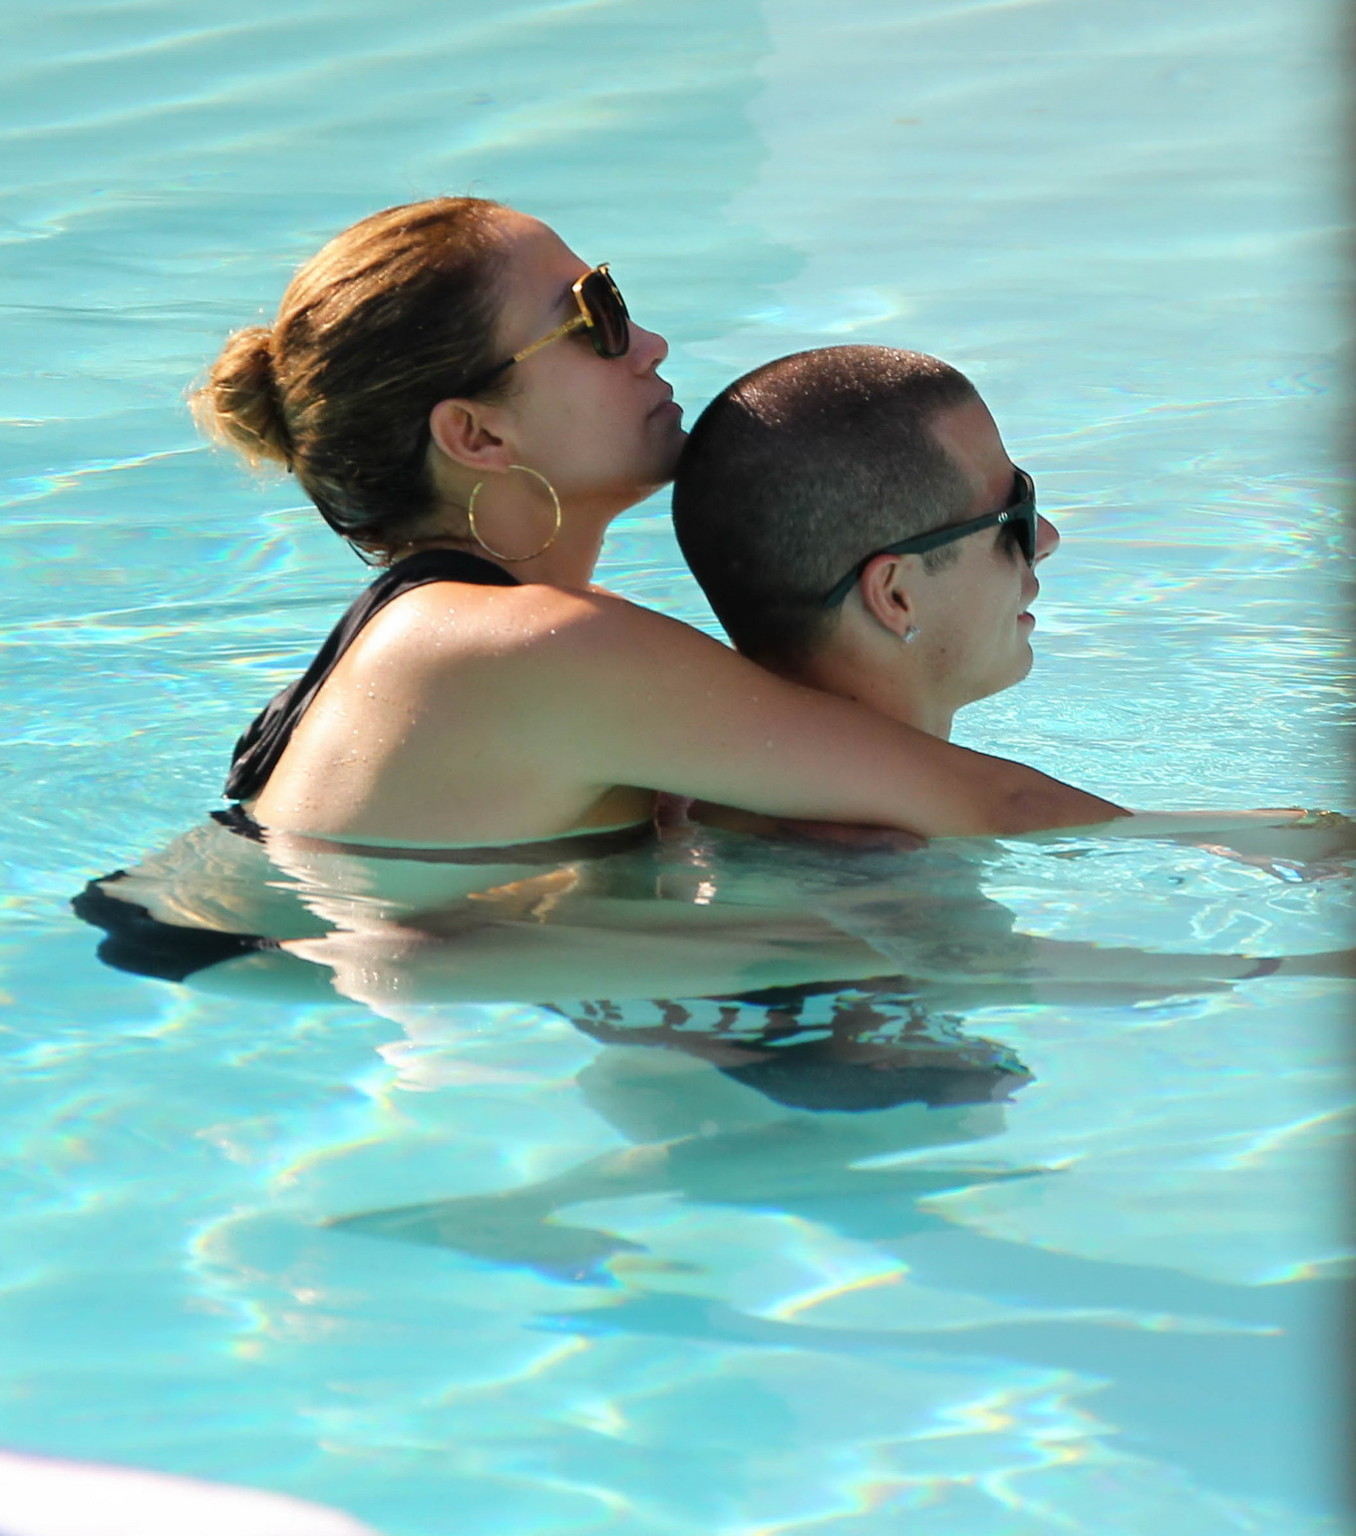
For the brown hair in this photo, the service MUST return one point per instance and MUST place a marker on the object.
(391, 316)
(801, 468)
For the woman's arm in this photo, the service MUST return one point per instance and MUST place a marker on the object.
(1291, 837)
(489, 715)
(643, 699)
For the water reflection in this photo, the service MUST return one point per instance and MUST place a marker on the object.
(862, 1105)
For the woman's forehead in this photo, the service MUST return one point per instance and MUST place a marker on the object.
(535, 285)
(536, 252)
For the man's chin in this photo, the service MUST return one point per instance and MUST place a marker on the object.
(1018, 673)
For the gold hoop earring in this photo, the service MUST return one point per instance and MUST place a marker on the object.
(515, 559)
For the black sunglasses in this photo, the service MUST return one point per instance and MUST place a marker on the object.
(1018, 517)
(602, 313)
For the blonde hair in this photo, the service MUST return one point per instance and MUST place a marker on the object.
(391, 316)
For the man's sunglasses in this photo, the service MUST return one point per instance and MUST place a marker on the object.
(602, 313)
(1018, 517)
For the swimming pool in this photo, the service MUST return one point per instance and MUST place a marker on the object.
(1121, 221)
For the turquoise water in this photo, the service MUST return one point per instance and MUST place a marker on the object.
(1125, 223)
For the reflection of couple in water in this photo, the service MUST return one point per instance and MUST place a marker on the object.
(457, 799)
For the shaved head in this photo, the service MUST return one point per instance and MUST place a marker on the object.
(801, 468)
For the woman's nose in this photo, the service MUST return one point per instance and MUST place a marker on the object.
(648, 348)
(1047, 538)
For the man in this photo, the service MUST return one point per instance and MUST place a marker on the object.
(857, 525)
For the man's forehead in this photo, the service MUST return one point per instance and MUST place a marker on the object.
(972, 442)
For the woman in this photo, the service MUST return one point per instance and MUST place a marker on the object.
(468, 403)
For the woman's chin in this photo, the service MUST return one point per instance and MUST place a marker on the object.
(665, 464)
(675, 436)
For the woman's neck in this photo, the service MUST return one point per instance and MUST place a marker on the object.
(568, 562)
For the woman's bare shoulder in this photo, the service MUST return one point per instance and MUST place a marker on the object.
(445, 625)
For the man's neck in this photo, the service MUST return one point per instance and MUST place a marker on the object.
(864, 680)
(890, 691)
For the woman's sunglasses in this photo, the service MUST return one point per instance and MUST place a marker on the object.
(1018, 517)
(602, 313)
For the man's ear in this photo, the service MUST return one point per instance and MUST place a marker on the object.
(886, 589)
(461, 429)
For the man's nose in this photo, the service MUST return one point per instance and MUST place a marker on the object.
(1047, 538)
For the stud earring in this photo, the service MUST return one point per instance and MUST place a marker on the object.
(910, 635)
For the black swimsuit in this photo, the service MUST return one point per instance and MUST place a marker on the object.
(257, 752)
(139, 942)
(800, 1071)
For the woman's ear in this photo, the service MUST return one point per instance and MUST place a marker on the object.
(886, 589)
(461, 430)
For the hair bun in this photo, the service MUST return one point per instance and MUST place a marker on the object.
(240, 403)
